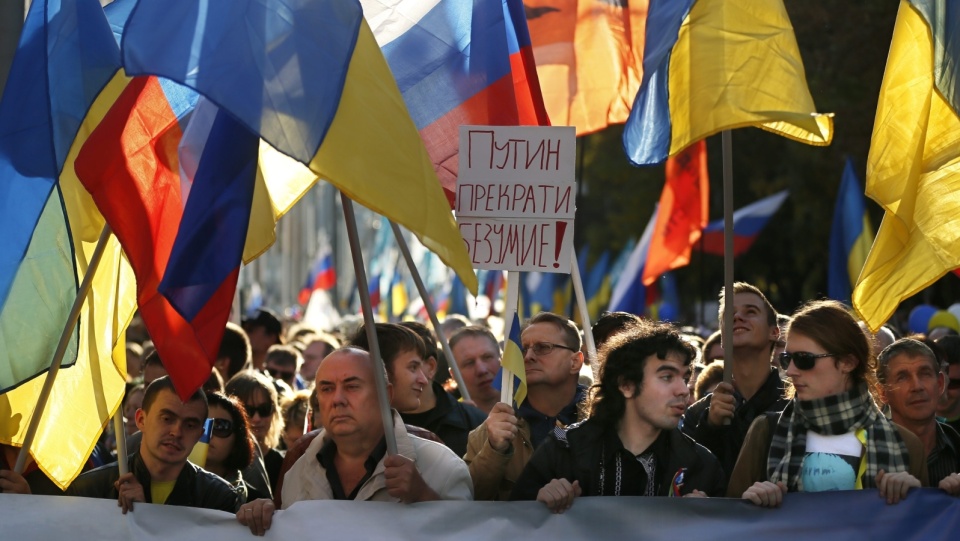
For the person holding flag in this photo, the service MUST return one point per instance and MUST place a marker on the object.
(158, 470)
(631, 444)
(498, 450)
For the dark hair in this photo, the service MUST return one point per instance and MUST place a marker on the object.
(151, 358)
(910, 347)
(453, 323)
(950, 345)
(425, 334)
(249, 383)
(164, 382)
(712, 340)
(570, 331)
(236, 347)
(830, 324)
(743, 287)
(611, 323)
(214, 383)
(284, 355)
(393, 340)
(622, 360)
(241, 455)
(475, 331)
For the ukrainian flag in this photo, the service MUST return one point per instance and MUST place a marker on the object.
(850, 237)
(713, 65)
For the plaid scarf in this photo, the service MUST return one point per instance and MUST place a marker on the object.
(831, 416)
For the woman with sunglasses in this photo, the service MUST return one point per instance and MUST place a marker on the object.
(831, 435)
(231, 444)
(258, 395)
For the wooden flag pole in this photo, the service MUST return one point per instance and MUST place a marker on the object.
(584, 313)
(71, 323)
(509, 309)
(726, 333)
(368, 323)
(428, 304)
(121, 436)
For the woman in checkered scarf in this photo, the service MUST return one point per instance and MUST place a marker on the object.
(831, 435)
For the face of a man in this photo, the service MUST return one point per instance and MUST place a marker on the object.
(662, 398)
(408, 381)
(750, 325)
(171, 428)
(286, 373)
(913, 388)
(347, 393)
(312, 356)
(950, 406)
(479, 361)
(554, 368)
(260, 339)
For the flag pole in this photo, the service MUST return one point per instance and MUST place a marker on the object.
(428, 304)
(726, 335)
(58, 354)
(509, 309)
(584, 313)
(121, 435)
(369, 324)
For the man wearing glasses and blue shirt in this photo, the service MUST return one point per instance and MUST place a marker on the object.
(498, 450)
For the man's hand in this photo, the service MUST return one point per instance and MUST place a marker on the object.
(721, 405)
(894, 486)
(696, 494)
(951, 484)
(501, 427)
(766, 494)
(130, 491)
(257, 515)
(404, 482)
(12, 482)
(558, 495)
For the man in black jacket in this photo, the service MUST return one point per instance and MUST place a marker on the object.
(159, 471)
(630, 444)
(720, 420)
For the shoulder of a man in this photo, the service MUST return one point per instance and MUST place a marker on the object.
(96, 483)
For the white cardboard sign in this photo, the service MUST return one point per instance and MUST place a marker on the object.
(516, 196)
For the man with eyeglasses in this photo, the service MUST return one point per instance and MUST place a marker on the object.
(498, 450)
(283, 364)
(158, 470)
(720, 420)
(911, 384)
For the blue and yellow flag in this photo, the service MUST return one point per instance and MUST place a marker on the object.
(512, 362)
(713, 65)
(913, 169)
(850, 237)
(198, 455)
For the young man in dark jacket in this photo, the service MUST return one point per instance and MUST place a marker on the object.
(630, 444)
(159, 471)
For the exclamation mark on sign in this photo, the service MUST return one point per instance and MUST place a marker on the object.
(561, 229)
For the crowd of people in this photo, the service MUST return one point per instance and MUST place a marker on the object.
(816, 403)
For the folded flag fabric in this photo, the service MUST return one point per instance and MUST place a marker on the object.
(912, 164)
(713, 65)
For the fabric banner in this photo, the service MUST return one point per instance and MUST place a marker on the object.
(925, 514)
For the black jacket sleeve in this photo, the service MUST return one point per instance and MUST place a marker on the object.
(552, 460)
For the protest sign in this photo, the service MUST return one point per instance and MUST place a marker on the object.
(516, 196)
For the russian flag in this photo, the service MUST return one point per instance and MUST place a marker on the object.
(850, 237)
(747, 224)
(458, 62)
(322, 275)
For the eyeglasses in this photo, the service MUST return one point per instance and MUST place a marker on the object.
(222, 428)
(544, 348)
(803, 360)
(279, 374)
(264, 410)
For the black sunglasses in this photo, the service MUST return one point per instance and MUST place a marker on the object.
(803, 360)
(279, 374)
(543, 348)
(265, 410)
(222, 428)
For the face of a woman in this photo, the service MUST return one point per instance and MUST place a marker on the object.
(829, 375)
(219, 447)
(260, 421)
